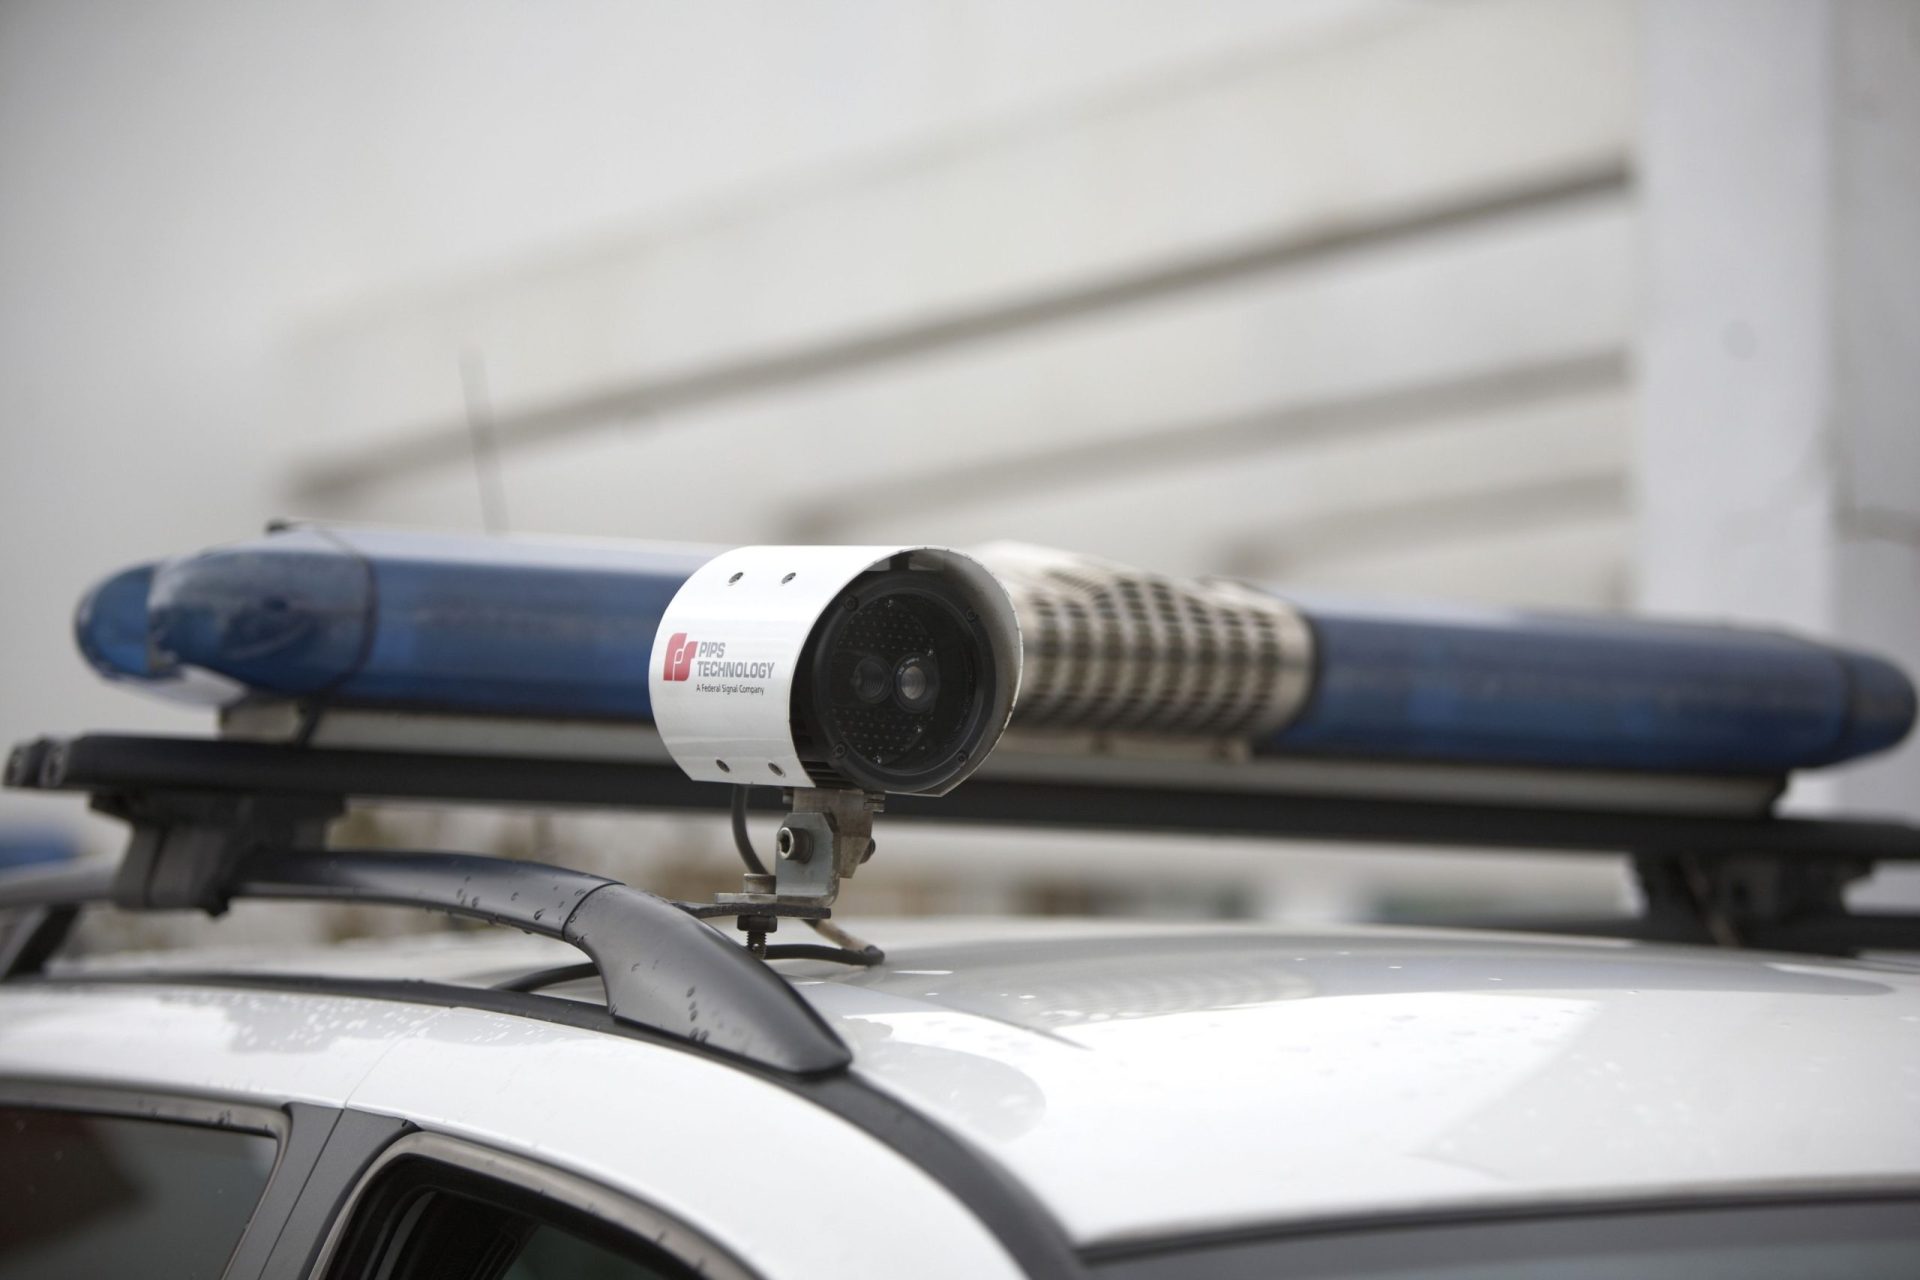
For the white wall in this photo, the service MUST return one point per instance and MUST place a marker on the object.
(1779, 441)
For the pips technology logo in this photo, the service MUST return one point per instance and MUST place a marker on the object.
(680, 651)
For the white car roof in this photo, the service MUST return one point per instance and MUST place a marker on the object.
(1147, 1081)
(1181, 1081)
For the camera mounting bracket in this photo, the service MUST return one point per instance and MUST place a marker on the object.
(827, 834)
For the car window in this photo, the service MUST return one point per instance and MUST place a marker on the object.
(100, 1195)
(553, 1254)
(424, 1221)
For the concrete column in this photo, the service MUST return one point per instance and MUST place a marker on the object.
(1778, 454)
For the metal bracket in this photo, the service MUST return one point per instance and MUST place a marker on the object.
(1744, 901)
(828, 833)
(826, 837)
(186, 847)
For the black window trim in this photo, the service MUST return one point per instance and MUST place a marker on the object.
(618, 1209)
(1185, 1249)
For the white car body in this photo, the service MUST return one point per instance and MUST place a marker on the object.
(1139, 1084)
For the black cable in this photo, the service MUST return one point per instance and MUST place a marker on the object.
(548, 977)
(313, 708)
(741, 840)
(838, 955)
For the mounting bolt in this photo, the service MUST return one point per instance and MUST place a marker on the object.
(759, 882)
(757, 928)
(793, 845)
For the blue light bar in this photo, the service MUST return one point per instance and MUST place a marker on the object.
(470, 624)
(400, 619)
(110, 626)
(1589, 692)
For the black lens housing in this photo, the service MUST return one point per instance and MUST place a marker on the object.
(900, 618)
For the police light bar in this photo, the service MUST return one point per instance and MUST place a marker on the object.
(486, 626)
(378, 617)
(1112, 648)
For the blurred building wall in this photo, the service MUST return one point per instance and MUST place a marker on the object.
(1347, 304)
(1779, 441)
(1351, 294)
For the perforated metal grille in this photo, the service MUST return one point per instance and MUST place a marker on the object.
(1105, 647)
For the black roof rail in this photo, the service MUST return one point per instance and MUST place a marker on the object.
(663, 968)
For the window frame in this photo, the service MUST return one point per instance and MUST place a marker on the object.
(247, 1115)
(286, 1176)
(617, 1210)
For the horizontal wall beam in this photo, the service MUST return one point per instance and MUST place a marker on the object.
(450, 440)
(1049, 471)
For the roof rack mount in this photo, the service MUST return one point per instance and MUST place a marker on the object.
(220, 819)
(199, 841)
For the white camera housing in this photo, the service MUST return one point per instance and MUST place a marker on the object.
(888, 669)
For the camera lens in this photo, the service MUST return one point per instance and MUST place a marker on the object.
(871, 680)
(916, 684)
(902, 679)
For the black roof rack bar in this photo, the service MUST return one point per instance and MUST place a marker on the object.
(199, 805)
(125, 763)
(663, 969)
(106, 764)
(1372, 820)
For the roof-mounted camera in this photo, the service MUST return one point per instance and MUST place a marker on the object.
(881, 669)
(840, 674)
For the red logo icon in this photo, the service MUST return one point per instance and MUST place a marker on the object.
(679, 657)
